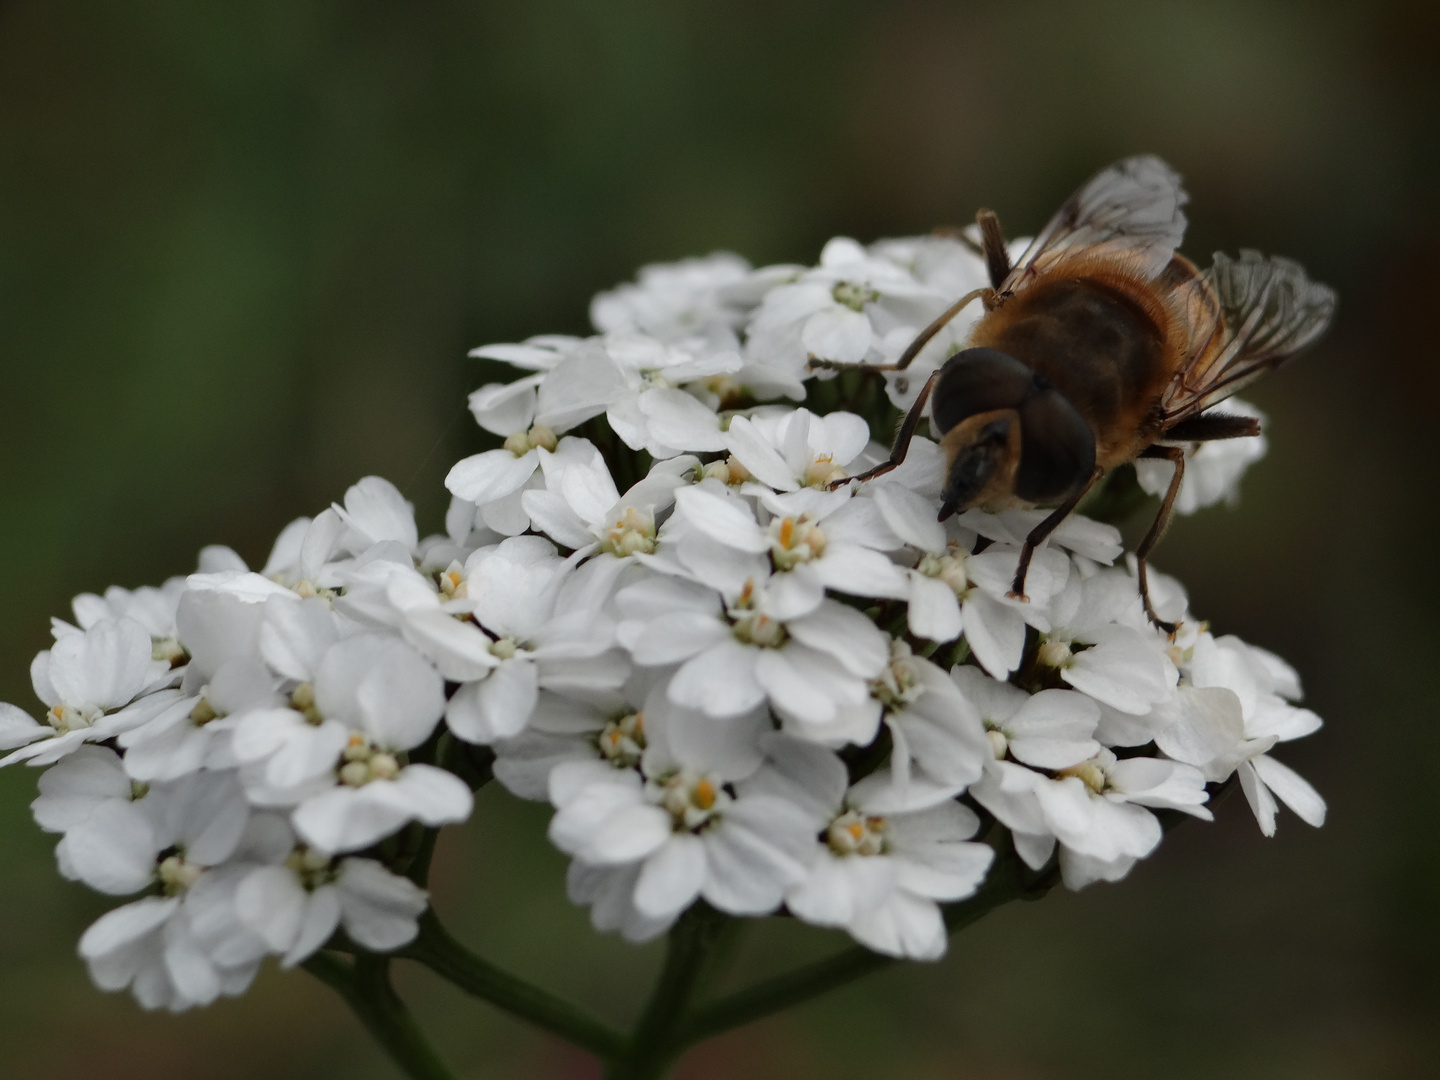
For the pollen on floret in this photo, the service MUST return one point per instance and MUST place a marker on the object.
(1091, 773)
(1055, 653)
(363, 762)
(693, 800)
(948, 567)
(854, 833)
(823, 471)
(730, 394)
(176, 875)
(853, 295)
(313, 868)
(632, 534)
(169, 650)
(539, 436)
(452, 583)
(795, 540)
(203, 712)
(64, 718)
(622, 741)
(897, 685)
(302, 700)
(729, 472)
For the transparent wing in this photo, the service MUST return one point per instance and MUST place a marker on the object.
(1268, 311)
(1131, 209)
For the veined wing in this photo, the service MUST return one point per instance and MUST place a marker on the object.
(1133, 209)
(1269, 312)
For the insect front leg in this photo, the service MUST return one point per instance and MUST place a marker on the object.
(913, 349)
(902, 439)
(1175, 455)
(1045, 528)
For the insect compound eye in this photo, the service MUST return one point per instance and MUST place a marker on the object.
(978, 381)
(975, 465)
(1057, 449)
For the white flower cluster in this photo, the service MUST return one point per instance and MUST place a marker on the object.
(731, 682)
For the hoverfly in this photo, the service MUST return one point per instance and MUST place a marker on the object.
(1101, 345)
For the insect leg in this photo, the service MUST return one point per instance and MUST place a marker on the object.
(913, 349)
(997, 257)
(1045, 528)
(1211, 427)
(1157, 528)
(902, 439)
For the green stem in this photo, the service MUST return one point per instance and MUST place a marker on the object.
(1007, 881)
(442, 954)
(365, 986)
(653, 1045)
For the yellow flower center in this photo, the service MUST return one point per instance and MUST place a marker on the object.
(853, 833)
(794, 541)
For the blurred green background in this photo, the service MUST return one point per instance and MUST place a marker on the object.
(244, 248)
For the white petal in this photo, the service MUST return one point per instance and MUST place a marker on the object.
(378, 909)
(435, 797)
(1054, 729)
(271, 902)
(113, 852)
(630, 833)
(845, 634)
(496, 707)
(19, 728)
(837, 333)
(321, 917)
(124, 925)
(1122, 670)
(934, 609)
(789, 689)
(551, 514)
(1292, 789)
(505, 408)
(492, 475)
(680, 420)
(376, 510)
(995, 633)
(722, 518)
(294, 637)
(580, 387)
(719, 681)
(910, 515)
(861, 572)
(1200, 724)
(1258, 796)
(750, 447)
(671, 638)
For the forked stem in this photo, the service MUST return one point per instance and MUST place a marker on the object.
(652, 1046)
(1007, 881)
(364, 983)
(669, 1023)
(446, 957)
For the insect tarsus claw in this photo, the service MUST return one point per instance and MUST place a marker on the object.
(1015, 594)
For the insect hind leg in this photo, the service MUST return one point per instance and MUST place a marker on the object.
(1212, 427)
(1176, 456)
